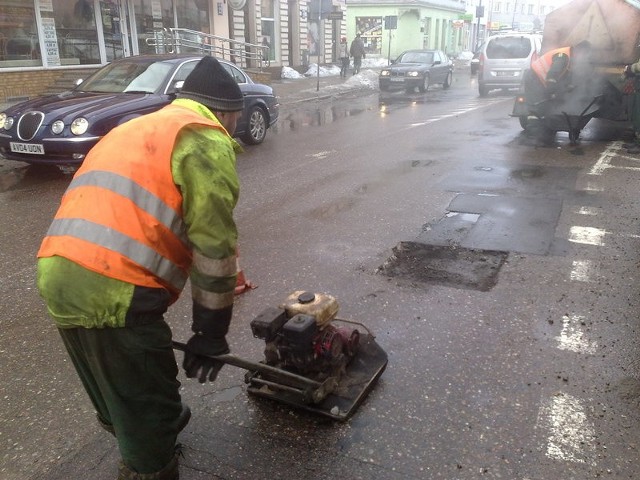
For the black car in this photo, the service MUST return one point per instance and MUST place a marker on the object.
(61, 129)
(417, 68)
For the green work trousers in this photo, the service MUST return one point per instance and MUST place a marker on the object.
(130, 375)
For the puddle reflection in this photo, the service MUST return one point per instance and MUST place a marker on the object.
(301, 117)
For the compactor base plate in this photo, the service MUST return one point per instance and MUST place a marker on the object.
(353, 386)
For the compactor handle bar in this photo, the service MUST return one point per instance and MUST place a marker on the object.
(257, 367)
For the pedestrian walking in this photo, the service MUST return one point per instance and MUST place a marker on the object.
(151, 206)
(356, 50)
(343, 54)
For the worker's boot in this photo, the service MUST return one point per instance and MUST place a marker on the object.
(183, 419)
(169, 472)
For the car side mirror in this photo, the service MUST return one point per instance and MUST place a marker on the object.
(177, 86)
(437, 62)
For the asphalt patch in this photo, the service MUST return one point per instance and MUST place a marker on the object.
(451, 266)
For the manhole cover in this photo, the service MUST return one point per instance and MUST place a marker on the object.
(444, 265)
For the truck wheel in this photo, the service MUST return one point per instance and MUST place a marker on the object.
(483, 90)
(524, 123)
(573, 136)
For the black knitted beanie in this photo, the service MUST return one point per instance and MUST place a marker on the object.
(210, 84)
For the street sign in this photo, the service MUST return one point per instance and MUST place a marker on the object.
(391, 22)
(335, 15)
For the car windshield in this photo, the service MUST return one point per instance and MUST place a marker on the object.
(127, 77)
(508, 47)
(416, 57)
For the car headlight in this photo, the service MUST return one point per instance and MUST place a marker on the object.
(57, 127)
(413, 74)
(385, 73)
(79, 126)
(4, 120)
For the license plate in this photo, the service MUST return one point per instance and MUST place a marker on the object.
(506, 74)
(30, 148)
(396, 79)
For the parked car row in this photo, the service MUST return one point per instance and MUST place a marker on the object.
(61, 129)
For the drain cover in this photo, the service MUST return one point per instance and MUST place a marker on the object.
(445, 265)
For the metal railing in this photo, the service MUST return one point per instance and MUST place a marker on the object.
(182, 40)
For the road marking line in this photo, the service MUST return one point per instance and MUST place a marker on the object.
(587, 235)
(453, 114)
(582, 270)
(572, 336)
(587, 211)
(571, 434)
(605, 159)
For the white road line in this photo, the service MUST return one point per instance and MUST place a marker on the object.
(582, 271)
(570, 434)
(587, 235)
(604, 161)
(572, 336)
(470, 108)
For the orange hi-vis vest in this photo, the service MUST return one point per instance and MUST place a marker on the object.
(121, 215)
(543, 63)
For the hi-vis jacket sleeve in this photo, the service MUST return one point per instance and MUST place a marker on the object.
(204, 168)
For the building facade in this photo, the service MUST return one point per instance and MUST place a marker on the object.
(438, 24)
(39, 39)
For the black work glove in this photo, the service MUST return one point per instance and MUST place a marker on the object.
(202, 367)
(210, 328)
(628, 73)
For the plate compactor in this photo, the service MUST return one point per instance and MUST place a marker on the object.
(312, 360)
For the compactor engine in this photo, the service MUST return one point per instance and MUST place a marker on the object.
(301, 337)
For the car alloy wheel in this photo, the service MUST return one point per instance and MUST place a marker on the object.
(256, 127)
(448, 80)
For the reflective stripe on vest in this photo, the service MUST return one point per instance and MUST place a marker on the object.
(122, 217)
(118, 242)
(144, 199)
(543, 63)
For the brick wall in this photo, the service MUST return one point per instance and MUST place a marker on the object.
(29, 83)
(25, 84)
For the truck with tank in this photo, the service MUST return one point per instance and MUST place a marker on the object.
(611, 29)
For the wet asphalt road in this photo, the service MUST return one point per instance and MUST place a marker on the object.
(499, 275)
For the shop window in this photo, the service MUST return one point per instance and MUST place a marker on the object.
(370, 29)
(112, 34)
(19, 41)
(193, 15)
(151, 17)
(267, 13)
(70, 33)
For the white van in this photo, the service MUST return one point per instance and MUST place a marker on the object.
(503, 59)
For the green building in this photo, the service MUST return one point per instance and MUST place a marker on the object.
(438, 24)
